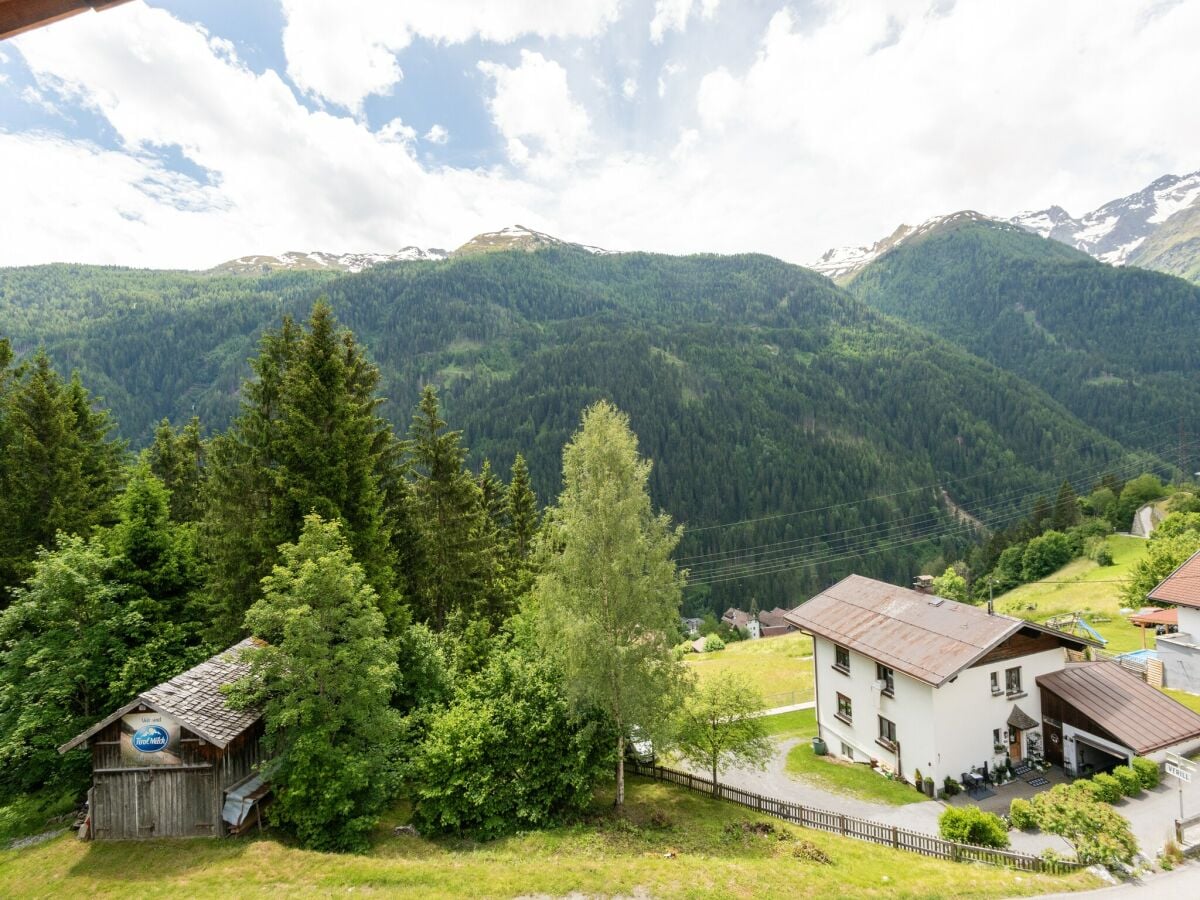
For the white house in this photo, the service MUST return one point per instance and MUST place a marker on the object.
(918, 682)
(1180, 652)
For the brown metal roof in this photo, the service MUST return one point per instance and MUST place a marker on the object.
(17, 16)
(1181, 587)
(1139, 716)
(1158, 616)
(926, 637)
(194, 698)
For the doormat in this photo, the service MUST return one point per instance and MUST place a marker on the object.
(1022, 769)
(980, 793)
(1038, 782)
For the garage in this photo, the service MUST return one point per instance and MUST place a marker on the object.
(1097, 716)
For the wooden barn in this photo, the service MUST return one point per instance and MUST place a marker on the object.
(170, 763)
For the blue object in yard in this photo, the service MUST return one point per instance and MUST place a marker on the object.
(1089, 629)
(1140, 655)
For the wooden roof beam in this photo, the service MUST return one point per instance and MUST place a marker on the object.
(18, 16)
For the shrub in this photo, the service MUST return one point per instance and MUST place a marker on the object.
(971, 825)
(712, 643)
(1044, 554)
(918, 782)
(952, 787)
(1105, 788)
(1147, 770)
(1098, 833)
(1097, 550)
(1020, 813)
(1129, 780)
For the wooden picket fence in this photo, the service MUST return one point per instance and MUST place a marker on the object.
(854, 827)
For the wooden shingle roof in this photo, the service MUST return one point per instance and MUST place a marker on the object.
(194, 698)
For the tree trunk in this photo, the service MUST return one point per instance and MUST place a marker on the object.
(714, 778)
(620, 769)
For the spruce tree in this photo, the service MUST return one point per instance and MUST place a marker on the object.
(307, 439)
(1066, 508)
(521, 511)
(455, 568)
(177, 459)
(62, 470)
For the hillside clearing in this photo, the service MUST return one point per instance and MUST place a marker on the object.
(671, 843)
(1091, 590)
(780, 667)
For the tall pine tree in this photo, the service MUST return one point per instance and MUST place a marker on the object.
(61, 470)
(307, 439)
(177, 459)
(453, 576)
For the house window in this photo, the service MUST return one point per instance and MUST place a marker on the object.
(1012, 681)
(888, 677)
(996, 739)
(845, 710)
(847, 751)
(995, 682)
(887, 732)
(841, 658)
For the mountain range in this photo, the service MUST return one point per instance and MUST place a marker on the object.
(1157, 228)
(514, 237)
(765, 394)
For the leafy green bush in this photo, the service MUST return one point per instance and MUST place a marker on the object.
(951, 787)
(1096, 549)
(971, 825)
(1147, 770)
(1020, 813)
(1105, 788)
(1044, 554)
(1129, 780)
(1098, 833)
(712, 643)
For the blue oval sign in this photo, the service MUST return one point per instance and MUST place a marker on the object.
(150, 739)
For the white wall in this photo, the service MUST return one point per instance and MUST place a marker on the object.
(967, 712)
(942, 731)
(911, 709)
(1189, 621)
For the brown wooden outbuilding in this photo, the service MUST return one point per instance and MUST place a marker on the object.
(163, 765)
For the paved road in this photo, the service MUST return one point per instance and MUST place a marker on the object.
(1181, 884)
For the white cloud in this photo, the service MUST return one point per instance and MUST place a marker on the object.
(437, 134)
(833, 130)
(282, 177)
(532, 105)
(629, 88)
(673, 15)
(345, 50)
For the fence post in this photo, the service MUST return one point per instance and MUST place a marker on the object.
(954, 851)
(842, 822)
(895, 837)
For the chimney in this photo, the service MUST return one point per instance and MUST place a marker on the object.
(923, 584)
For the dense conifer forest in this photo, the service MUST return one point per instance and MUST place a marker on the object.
(757, 387)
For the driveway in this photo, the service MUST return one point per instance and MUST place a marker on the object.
(774, 781)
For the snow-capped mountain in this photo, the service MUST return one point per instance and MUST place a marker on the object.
(840, 263)
(1114, 231)
(517, 237)
(339, 262)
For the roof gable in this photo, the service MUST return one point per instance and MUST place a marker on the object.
(926, 637)
(194, 698)
(1181, 587)
(1139, 716)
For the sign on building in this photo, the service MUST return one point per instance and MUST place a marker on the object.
(149, 739)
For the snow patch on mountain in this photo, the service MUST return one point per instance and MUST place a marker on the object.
(1112, 232)
(317, 260)
(518, 237)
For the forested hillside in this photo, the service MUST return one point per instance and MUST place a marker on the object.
(1119, 347)
(758, 389)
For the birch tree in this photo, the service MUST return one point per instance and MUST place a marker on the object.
(609, 592)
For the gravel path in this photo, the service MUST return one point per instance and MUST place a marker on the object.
(774, 781)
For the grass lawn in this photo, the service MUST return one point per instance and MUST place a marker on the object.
(799, 723)
(1191, 701)
(856, 780)
(780, 667)
(671, 843)
(1090, 591)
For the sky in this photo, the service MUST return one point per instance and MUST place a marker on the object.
(182, 133)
